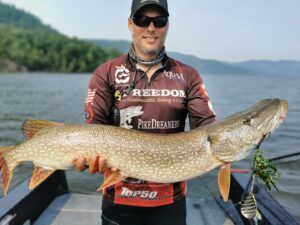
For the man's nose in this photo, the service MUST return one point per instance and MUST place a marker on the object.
(151, 26)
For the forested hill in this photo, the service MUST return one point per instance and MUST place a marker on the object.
(9, 15)
(26, 44)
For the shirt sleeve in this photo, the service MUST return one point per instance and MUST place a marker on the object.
(99, 98)
(199, 106)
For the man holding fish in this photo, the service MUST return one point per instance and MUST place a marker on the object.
(145, 90)
(145, 165)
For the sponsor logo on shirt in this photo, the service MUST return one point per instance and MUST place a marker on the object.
(127, 114)
(158, 93)
(156, 124)
(122, 75)
(144, 195)
(173, 76)
(138, 193)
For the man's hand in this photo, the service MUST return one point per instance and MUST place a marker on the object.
(94, 163)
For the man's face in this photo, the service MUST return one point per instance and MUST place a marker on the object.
(148, 41)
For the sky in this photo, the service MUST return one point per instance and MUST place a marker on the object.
(226, 30)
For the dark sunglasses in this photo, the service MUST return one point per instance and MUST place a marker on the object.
(144, 21)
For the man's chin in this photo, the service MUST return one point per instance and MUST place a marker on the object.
(151, 51)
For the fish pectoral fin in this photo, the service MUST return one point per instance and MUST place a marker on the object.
(39, 174)
(224, 181)
(112, 179)
(30, 126)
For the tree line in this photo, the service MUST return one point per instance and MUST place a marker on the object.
(50, 51)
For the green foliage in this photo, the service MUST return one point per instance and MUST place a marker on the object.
(26, 41)
(265, 170)
(50, 51)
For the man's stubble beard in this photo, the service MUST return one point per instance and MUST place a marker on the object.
(148, 52)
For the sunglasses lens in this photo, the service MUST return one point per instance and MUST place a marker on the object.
(144, 21)
(160, 21)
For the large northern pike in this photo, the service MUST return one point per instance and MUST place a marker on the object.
(153, 157)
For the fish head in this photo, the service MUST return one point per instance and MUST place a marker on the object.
(233, 138)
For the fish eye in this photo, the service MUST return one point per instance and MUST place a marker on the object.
(247, 121)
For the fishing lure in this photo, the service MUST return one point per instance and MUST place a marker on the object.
(268, 173)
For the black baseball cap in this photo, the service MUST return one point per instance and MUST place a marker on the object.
(138, 4)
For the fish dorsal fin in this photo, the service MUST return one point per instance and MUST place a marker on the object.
(39, 174)
(224, 181)
(112, 179)
(30, 126)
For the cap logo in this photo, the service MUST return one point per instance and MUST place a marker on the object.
(142, 1)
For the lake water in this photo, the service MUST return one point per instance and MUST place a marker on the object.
(60, 97)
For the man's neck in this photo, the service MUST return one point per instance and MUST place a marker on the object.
(149, 70)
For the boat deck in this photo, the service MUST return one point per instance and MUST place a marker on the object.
(78, 209)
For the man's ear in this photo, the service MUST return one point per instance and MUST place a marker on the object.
(167, 26)
(130, 24)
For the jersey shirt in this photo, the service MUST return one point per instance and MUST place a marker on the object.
(159, 104)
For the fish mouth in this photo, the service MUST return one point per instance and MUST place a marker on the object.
(284, 109)
(280, 116)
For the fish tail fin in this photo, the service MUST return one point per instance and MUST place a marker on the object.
(6, 167)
